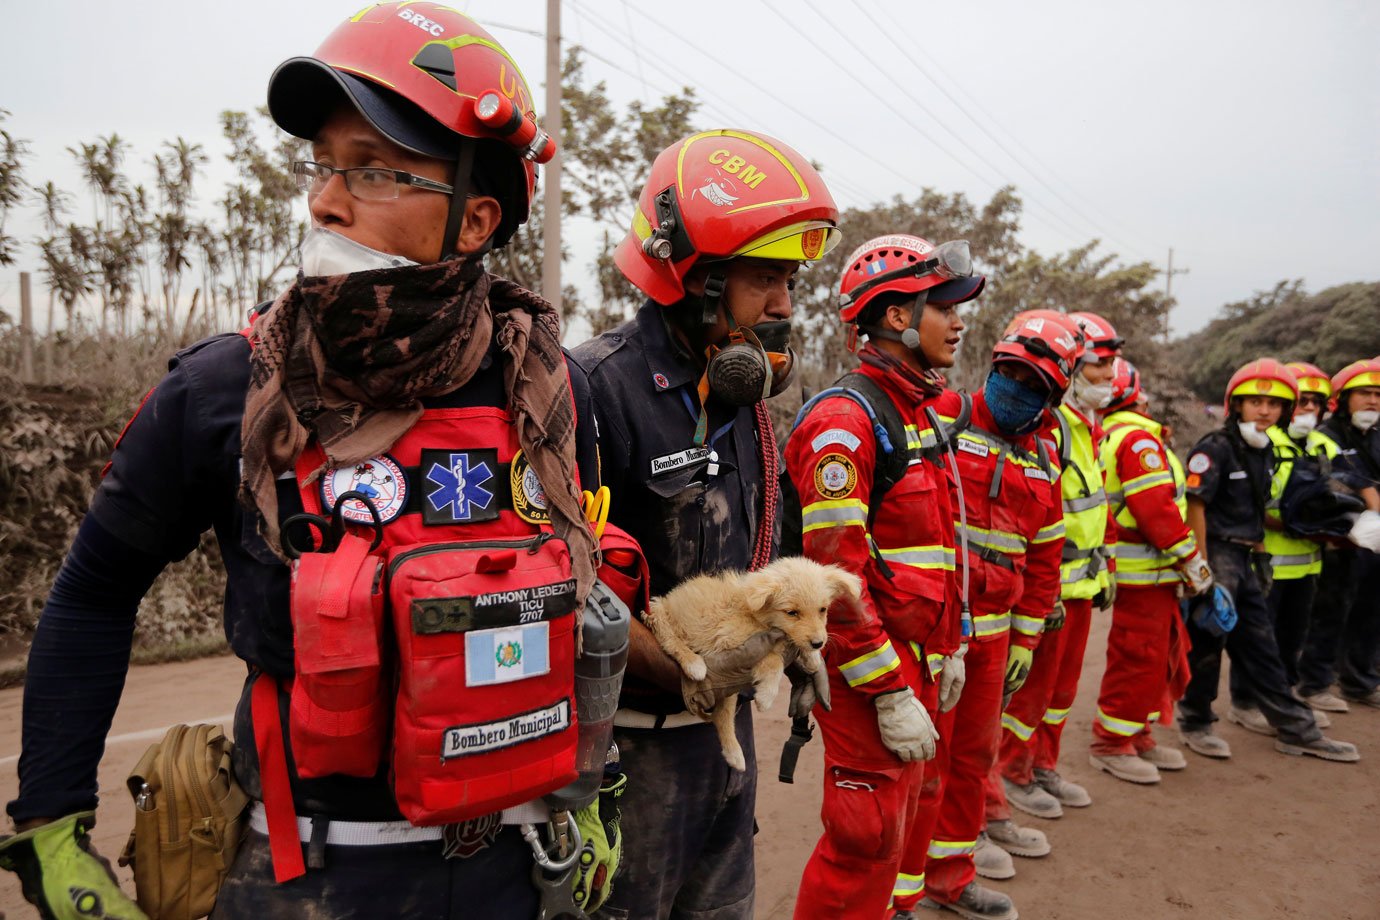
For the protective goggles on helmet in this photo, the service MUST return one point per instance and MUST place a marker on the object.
(948, 261)
(1039, 348)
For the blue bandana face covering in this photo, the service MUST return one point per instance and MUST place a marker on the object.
(1014, 406)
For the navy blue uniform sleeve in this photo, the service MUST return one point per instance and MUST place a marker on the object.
(77, 667)
(1205, 468)
(586, 428)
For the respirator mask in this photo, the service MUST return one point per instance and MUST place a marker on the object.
(755, 363)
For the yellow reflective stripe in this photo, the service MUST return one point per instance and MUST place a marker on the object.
(1000, 540)
(871, 666)
(1123, 727)
(1016, 727)
(1085, 503)
(907, 885)
(991, 624)
(1027, 626)
(1050, 532)
(1152, 717)
(1148, 481)
(942, 849)
(842, 512)
(1055, 716)
(1154, 577)
(934, 661)
(1184, 548)
(920, 557)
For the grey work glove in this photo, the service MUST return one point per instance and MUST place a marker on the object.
(1104, 599)
(952, 676)
(906, 728)
(807, 689)
(1054, 620)
(727, 673)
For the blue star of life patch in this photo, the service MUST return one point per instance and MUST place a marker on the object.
(459, 486)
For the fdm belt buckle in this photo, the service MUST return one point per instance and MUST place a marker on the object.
(556, 892)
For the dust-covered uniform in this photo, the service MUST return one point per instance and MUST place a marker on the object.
(1034, 720)
(1015, 532)
(1145, 489)
(1232, 480)
(904, 552)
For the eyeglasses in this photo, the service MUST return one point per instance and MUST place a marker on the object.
(373, 183)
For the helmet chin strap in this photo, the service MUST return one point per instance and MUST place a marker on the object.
(910, 336)
(455, 217)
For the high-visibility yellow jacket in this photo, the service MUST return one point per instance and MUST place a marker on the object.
(1145, 486)
(1290, 557)
(1083, 572)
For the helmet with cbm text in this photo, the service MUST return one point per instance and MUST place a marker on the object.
(1263, 377)
(720, 195)
(430, 79)
(900, 263)
(1041, 340)
(1311, 378)
(1126, 388)
(1101, 338)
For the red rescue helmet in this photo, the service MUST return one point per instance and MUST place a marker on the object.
(1102, 339)
(1363, 373)
(425, 76)
(1311, 378)
(896, 263)
(721, 195)
(1263, 377)
(1126, 390)
(1043, 343)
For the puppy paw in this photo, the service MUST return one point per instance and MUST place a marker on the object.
(694, 668)
(765, 694)
(811, 661)
(735, 758)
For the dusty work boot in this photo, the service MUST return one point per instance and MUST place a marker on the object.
(1205, 742)
(1371, 699)
(1033, 799)
(1070, 794)
(1252, 720)
(978, 903)
(991, 861)
(1165, 758)
(1322, 719)
(1323, 748)
(1324, 701)
(1127, 767)
(1017, 840)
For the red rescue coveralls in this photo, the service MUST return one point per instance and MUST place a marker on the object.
(1145, 488)
(1015, 529)
(878, 646)
(1034, 720)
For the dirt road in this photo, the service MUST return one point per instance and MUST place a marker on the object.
(1260, 836)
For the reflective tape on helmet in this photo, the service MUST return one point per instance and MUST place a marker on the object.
(842, 512)
(869, 667)
(1124, 727)
(1016, 727)
(945, 849)
(1055, 716)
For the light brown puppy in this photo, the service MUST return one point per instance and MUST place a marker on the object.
(714, 613)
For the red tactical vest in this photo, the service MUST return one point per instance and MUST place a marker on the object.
(456, 627)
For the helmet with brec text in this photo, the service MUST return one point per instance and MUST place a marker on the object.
(428, 78)
(719, 195)
(901, 263)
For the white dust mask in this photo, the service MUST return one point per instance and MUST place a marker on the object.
(1365, 419)
(325, 252)
(1301, 425)
(1252, 435)
(1092, 395)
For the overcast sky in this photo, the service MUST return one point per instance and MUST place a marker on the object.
(1245, 135)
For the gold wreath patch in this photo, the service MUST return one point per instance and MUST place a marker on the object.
(835, 476)
(529, 498)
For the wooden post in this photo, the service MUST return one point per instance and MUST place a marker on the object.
(26, 330)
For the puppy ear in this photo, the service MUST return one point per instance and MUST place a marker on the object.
(844, 584)
(759, 591)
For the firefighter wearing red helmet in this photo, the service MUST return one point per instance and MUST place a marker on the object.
(1033, 720)
(1011, 530)
(1155, 553)
(866, 462)
(1228, 487)
(348, 449)
(724, 222)
(1343, 640)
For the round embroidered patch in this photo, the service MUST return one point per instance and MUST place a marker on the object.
(529, 498)
(1199, 463)
(380, 479)
(835, 476)
(1151, 460)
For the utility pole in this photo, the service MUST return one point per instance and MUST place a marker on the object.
(26, 330)
(1169, 273)
(551, 200)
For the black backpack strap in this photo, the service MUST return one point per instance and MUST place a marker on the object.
(891, 468)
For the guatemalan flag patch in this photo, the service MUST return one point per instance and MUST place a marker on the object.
(498, 656)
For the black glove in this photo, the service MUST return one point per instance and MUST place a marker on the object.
(1054, 620)
(63, 876)
(807, 689)
(728, 673)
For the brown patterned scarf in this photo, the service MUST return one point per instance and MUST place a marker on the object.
(349, 358)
